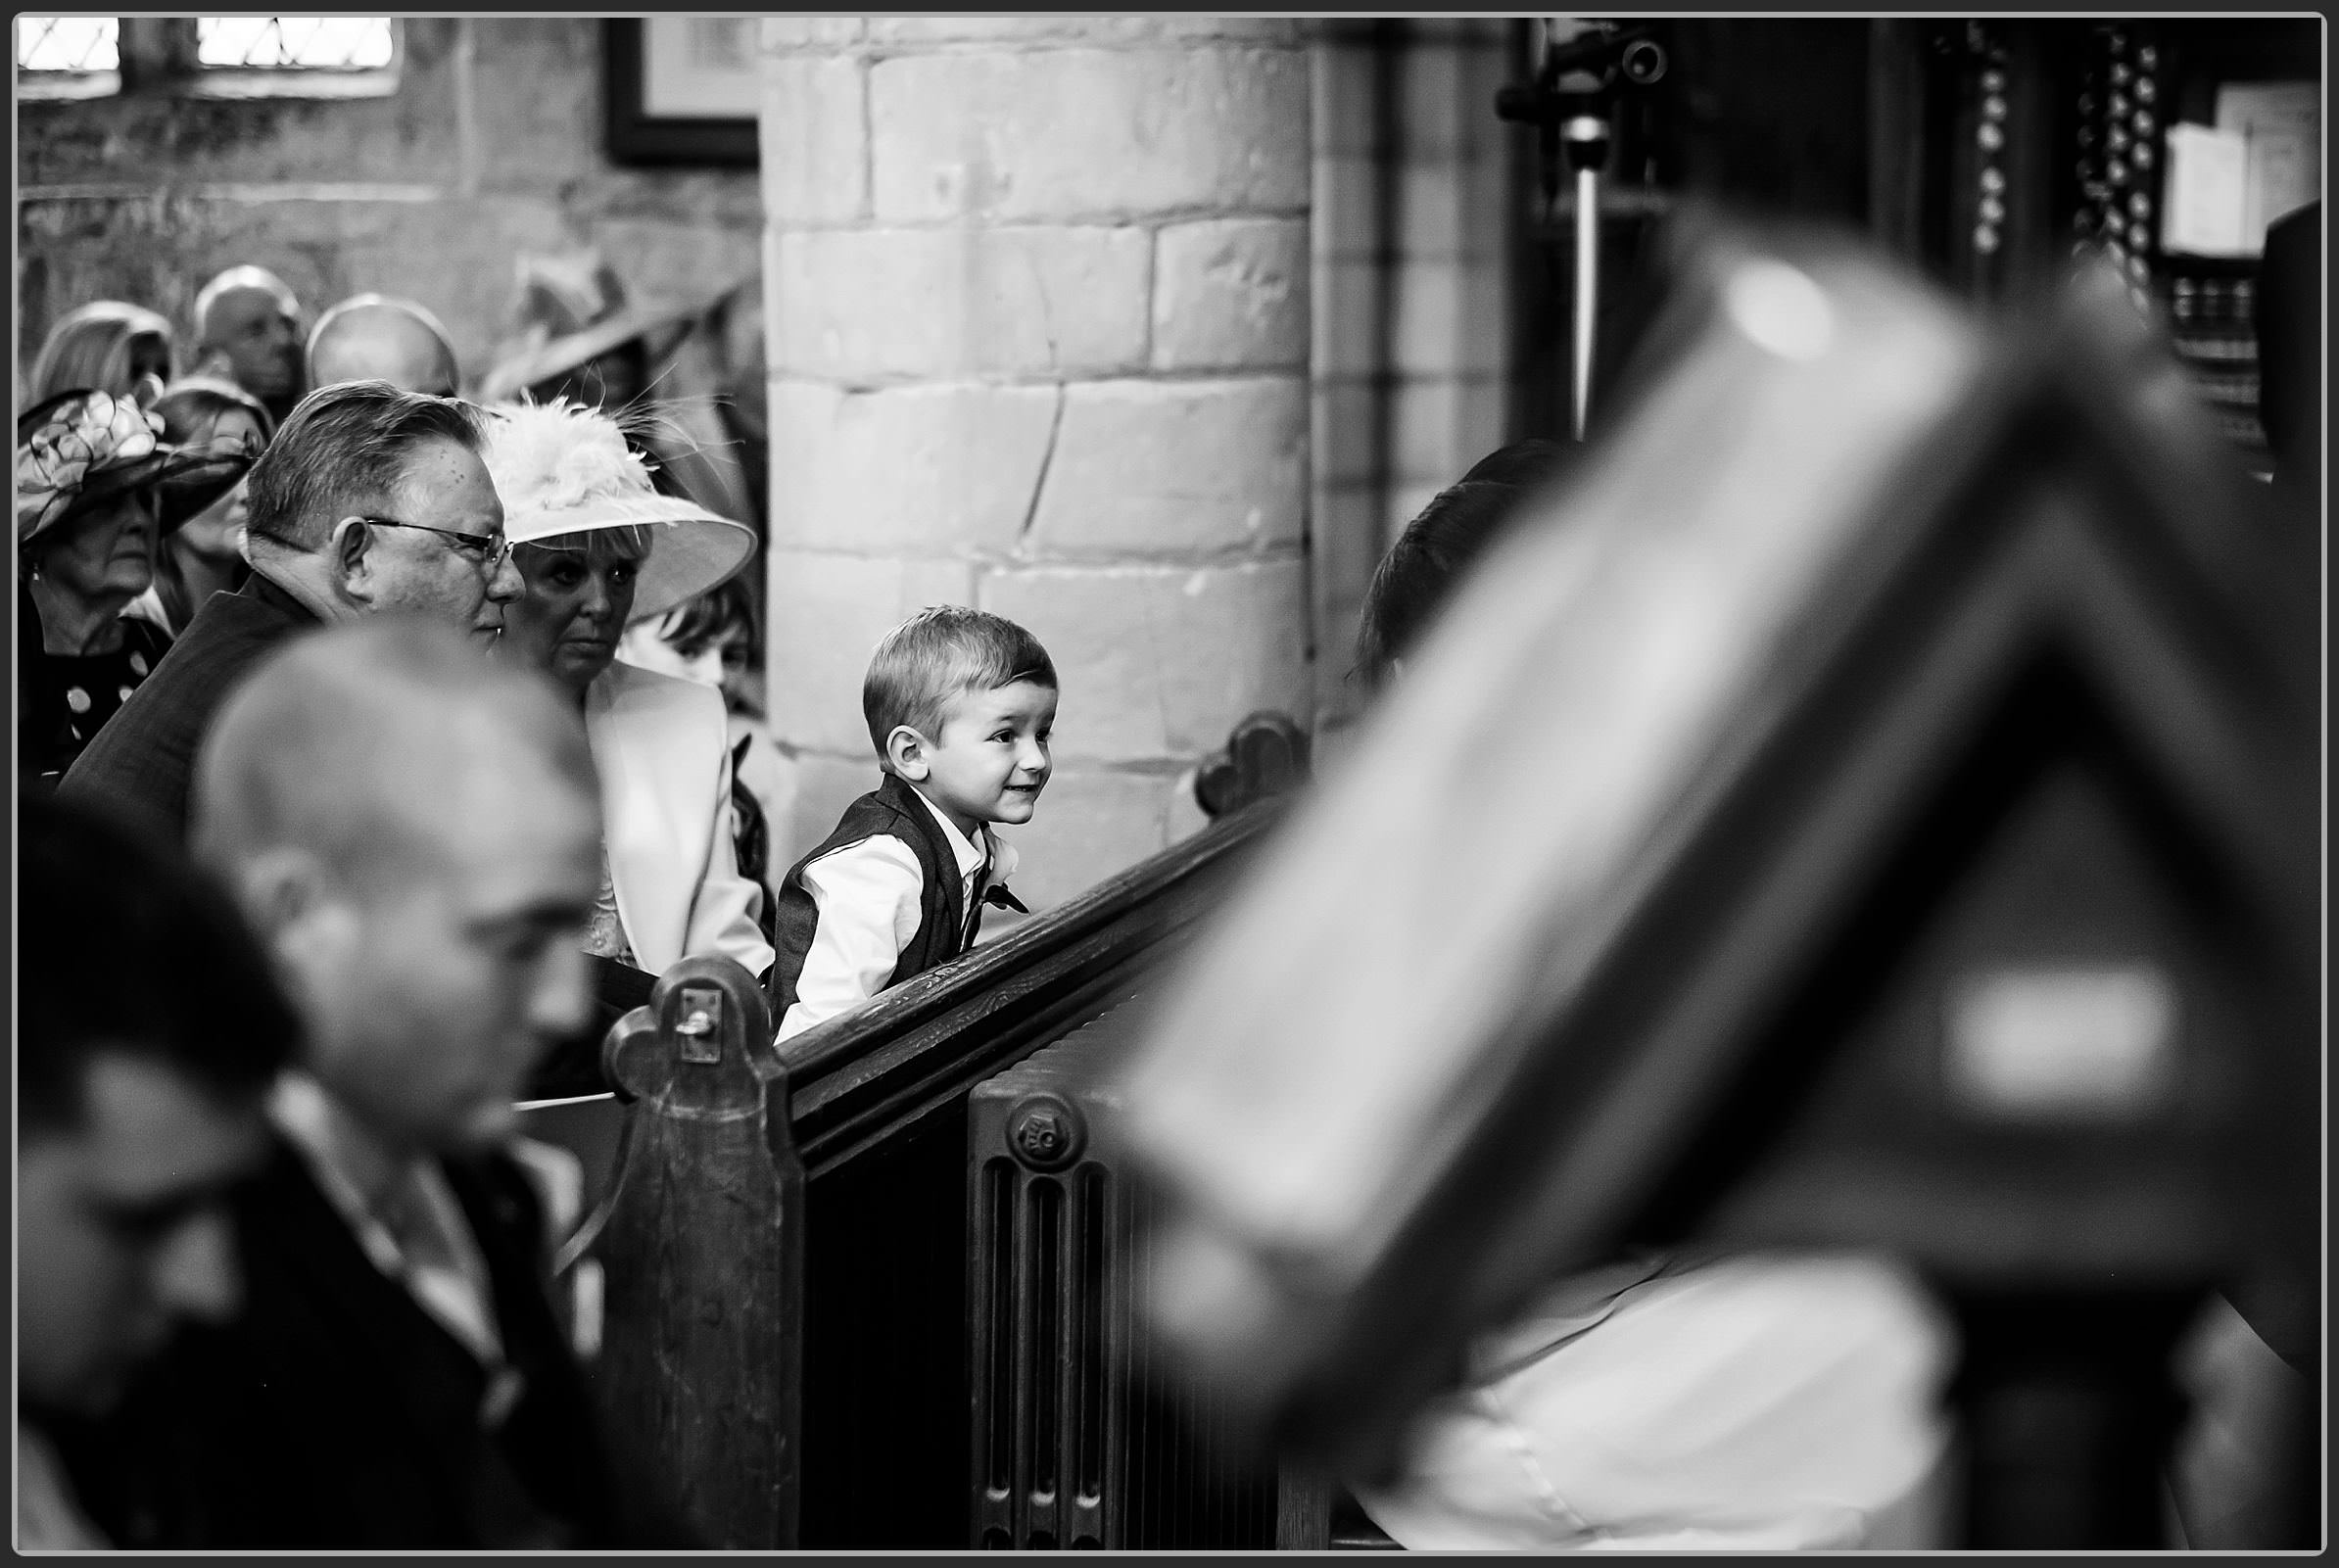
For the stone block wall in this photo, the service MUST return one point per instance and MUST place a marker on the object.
(491, 145)
(1039, 343)
(1412, 194)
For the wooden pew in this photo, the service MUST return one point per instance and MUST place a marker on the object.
(783, 1233)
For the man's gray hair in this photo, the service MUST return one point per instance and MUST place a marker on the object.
(343, 451)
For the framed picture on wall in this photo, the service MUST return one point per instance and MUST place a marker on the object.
(682, 90)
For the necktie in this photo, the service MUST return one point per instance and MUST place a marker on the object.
(975, 901)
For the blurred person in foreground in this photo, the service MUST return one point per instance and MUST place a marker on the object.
(88, 465)
(368, 499)
(1421, 571)
(711, 640)
(202, 532)
(597, 548)
(248, 330)
(1765, 1402)
(371, 337)
(138, 1105)
(413, 832)
(106, 346)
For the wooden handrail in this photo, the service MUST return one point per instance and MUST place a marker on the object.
(860, 1078)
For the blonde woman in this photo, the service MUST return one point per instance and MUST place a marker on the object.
(106, 346)
(598, 547)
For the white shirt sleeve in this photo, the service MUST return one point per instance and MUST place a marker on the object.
(868, 895)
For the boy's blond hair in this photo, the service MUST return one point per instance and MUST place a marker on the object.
(935, 657)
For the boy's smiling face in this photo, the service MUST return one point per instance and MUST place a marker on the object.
(991, 759)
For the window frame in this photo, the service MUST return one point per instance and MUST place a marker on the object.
(66, 86)
(157, 56)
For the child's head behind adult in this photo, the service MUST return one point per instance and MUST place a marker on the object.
(1421, 570)
(936, 656)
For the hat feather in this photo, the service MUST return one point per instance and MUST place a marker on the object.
(560, 455)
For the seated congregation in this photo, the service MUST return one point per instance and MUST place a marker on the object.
(397, 741)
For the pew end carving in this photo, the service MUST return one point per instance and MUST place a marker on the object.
(1265, 755)
(701, 1243)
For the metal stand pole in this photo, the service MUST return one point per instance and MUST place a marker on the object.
(1586, 139)
(1587, 307)
(1605, 60)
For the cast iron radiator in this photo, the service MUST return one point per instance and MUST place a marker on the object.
(1080, 1439)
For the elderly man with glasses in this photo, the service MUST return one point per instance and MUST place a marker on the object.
(370, 500)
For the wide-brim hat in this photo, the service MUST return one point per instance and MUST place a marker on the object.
(562, 469)
(82, 448)
(573, 309)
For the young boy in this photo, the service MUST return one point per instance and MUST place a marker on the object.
(960, 705)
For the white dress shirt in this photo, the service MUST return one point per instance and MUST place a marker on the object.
(869, 895)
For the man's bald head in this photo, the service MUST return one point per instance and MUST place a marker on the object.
(371, 337)
(375, 740)
(415, 833)
(249, 319)
(241, 280)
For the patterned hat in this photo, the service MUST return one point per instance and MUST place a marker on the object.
(563, 468)
(82, 448)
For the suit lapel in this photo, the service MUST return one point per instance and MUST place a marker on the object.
(307, 1240)
(422, 1376)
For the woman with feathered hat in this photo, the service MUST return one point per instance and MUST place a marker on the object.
(89, 464)
(598, 547)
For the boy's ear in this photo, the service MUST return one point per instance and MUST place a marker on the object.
(905, 750)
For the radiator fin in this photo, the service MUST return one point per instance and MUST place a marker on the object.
(1082, 1438)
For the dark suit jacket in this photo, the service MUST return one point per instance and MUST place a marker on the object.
(143, 761)
(336, 1414)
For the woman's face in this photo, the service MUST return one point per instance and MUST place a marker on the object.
(106, 553)
(568, 620)
(212, 531)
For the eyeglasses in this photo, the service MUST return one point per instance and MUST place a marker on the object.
(488, 551)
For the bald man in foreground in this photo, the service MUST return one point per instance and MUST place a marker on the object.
(372, 337)
(414, 834)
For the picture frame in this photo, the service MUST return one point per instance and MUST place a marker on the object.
(653, 65)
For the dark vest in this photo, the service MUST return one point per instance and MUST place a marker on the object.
(893, 809)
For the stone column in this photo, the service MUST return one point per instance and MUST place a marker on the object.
(1038, 343)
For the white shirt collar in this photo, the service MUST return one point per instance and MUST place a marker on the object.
(969, 856)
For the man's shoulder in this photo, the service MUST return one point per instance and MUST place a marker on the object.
(143, 755)
(229, 626)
